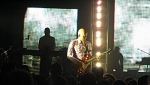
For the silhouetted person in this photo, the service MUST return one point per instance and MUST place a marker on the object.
(5, 69)
(71, 80)
(18, 77)
(99, 72)
(25, 67)
(55, 80)
(115, 63)
(132, 82)
(144, 80)
(88, 79)
(56, 69)
(128, 78)
(104, 82)
(110, 77)
(46, 44)
(119, 82)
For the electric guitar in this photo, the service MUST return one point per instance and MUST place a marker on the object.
(80, 69)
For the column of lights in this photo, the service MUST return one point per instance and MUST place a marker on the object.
(98, 24)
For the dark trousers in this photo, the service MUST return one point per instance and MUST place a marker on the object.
(45, 64)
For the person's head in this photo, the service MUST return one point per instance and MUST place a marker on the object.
(143, 80)
(128, 78)
(71, 80)
(88, 79)
(117, 49)
(119, 82)
(18, 77)
(110, 77)
(47, 31)
(56, 80)
(82, 34)
(98, 72)
(56, 69)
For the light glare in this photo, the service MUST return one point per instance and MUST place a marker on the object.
(99, 8)
(98, 33)
(98, 53)
(98, 24)
(99, 2)
(99, 15)
(98, 42)
(98, 64)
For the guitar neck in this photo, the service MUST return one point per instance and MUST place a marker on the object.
(91, 59)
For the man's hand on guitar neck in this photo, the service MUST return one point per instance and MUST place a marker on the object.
(97, 58)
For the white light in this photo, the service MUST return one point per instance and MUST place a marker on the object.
(98, 64)
(114, 69)
(99, 8)
(99, 15)
(98, 53)
(98, 42)
(98, 33)
(99, 2)
(98, 24)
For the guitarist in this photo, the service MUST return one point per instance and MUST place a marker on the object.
(80, 48)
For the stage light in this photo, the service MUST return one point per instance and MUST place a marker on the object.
(98, 33)
(98, 42)
(99, 15)
(99, 8)
(98, 53)
(99, 2)
(98, 23)
(98, 64)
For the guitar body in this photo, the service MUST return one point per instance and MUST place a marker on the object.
(80, 69)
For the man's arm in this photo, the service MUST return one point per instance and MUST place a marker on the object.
(40, 45)
(71, 55)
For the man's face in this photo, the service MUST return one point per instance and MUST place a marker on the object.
(83, 35)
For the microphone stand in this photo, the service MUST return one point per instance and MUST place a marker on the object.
(4, 56)
(143, 51)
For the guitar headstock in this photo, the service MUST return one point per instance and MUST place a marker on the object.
(109, 50)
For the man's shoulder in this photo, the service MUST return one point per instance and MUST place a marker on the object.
(88, 42)
(74, 41)
(52, 37)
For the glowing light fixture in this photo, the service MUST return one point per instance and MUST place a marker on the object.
(99, 8)
(98, 33)
(98, 23)
(99, 2)
(98, 53)
(98, 42)
(98, 64)
(99, 15)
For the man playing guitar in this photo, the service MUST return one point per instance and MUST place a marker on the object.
(78, 49)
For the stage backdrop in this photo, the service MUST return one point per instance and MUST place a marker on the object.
(62, 23)
(131, 34)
